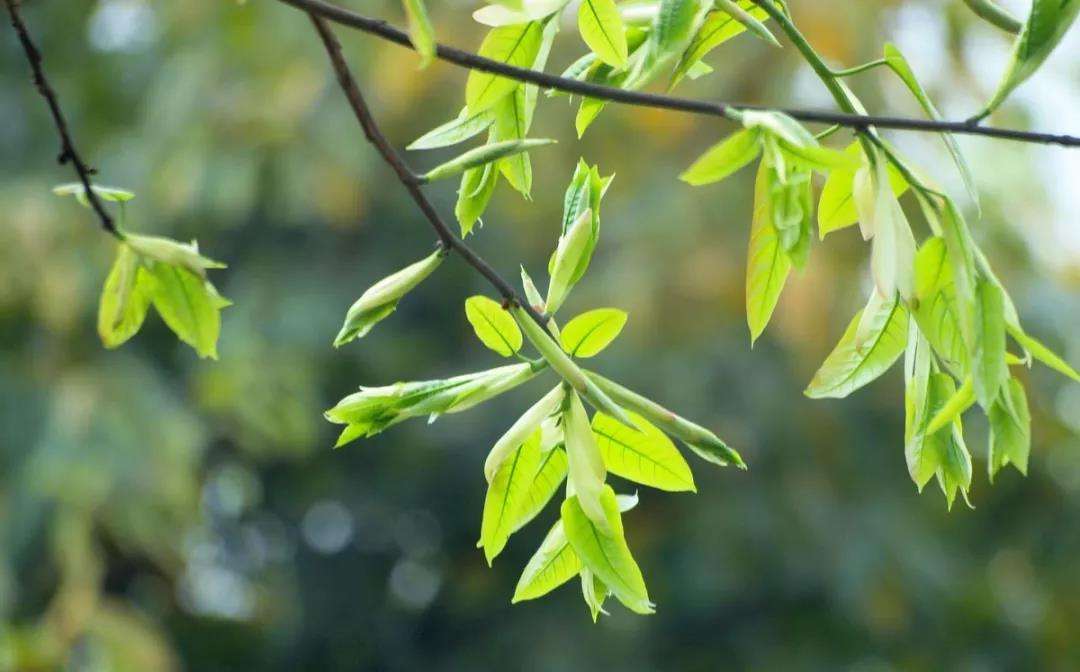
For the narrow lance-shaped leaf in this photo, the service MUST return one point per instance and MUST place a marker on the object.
(921, 463)
(717, 28)
(988, 359)
(589, 333)
(703, 442)
(995, 14)
(76, 189)
(561, 363)
(1047, 23)
(460, 129)
(1042, 353)
(506, 494)
(896, 61)
(586, 465)
(644, 456)
(574, 249)
(953, 407)
(873, 342)
(602, 29)
(474, 194)
(421, 32)
(493, 325)
(482, 155)
(767, 265)
(604, 551)
(381, 299)
(725, 158)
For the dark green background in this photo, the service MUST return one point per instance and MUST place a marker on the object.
(160, 512)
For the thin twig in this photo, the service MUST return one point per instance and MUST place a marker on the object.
(68, 153)
(412, 182)
(717, 109)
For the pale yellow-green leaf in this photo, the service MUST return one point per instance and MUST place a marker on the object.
(646, 456)
(589, 333)
(836, 208)
(767, 265)
(724, 158)
(190, 306)
(602, 29)
(516, 45)
(1010, 429)
(506, 494)
(553, 564)
(421, 33)
(124, 299)
(604, 551)
(494, 326)
(1044, 354)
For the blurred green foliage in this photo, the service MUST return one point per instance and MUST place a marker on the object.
(159, 512)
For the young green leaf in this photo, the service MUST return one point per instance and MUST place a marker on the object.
(955, 471)
(602, 29)
(725, 158)
(1043, 353)
(173, 253)
(925, 451)
(936, 307)
(995, 14)
(603, 550)
(512, 120)
(124, 299)
(544, 484)
(595, 593)
(77, 190)
(521, 430)
(767, 265)
(457, 130)
(381, 299)
(493, 325)
(707, 445)
(421, 32)
(922, 464)
(589, 333)
(647, 456)
(481, 156)
(874, 340)
(675, 25)
(574, 250)
(190, 306)
(717, 28)
(516, 45)
(506, 494)
(892, 255)
(896, 61)
(586, 465)
(988, 358)
(1010, 429)
(1046, 25)
(474, 194)
(957, 404)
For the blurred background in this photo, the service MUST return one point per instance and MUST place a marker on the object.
(158, 512)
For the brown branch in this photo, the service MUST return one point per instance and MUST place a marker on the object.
(473, 61)
(68, 153)
(411, 180)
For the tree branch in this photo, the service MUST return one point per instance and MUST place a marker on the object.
(68, 153)
(412, 182)
(472, 61)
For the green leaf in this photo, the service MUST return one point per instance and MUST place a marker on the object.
(522, 429)
(553, 564)
(925, 451)
(190, 306)
(993, 13)
(922, 464)
(956, 405)
(892, 255)
(767, 265)
(77, 190)
(1043, 353)
(545, 482)
(124, 299)
(595, 592)
(725, 158)
(896, 61)
(1046, 25)
(173, 253)
(574, 251)
(585, 463)
(500, 15)
(955, 471)
(381, 299)
(474, 194)
(791, 205)
(718, 27)
(988, 359)
(935, 304)
(873, 342)
(481, 156)
(516, 45)
(602, 29)
(493, 325)
(1010, 429)
(836, 208)
(421, 32)
(647, 456)
(506, 494)
(457, 130)
(589, 333)
(676, 23)
(512, 120)
(604, 551)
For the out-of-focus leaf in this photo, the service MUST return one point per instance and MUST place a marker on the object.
(421, 32)
(124, 299)
(1010, 429)
(189, 305)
